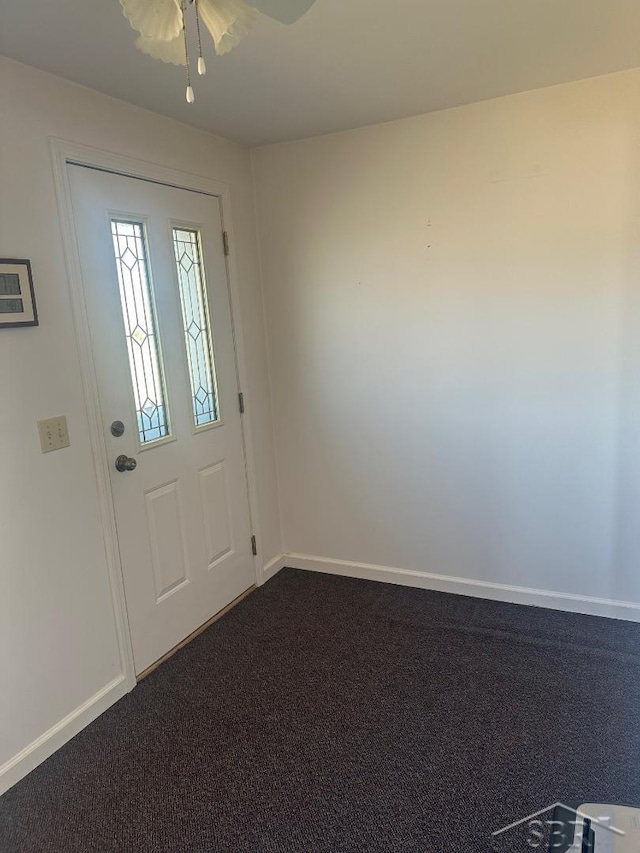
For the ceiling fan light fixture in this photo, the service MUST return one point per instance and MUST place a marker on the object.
(172, 52)
(160, 20)
(228, 21)
(162, 25)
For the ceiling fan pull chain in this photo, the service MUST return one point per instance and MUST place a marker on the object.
(189, 95)
(202, 68)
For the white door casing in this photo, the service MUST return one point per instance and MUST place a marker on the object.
(182, 515)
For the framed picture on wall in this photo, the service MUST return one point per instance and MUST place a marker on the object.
(17, 299)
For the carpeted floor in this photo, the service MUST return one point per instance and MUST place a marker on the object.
(328, 714)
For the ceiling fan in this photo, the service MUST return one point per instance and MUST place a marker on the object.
(162, 25)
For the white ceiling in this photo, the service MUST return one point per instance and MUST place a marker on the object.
(347, 63)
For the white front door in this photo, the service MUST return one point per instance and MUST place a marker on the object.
(155, 280)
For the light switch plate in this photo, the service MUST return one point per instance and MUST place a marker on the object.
(54, 434)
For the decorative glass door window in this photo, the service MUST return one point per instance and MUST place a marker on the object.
(197, 331)
(130, 248)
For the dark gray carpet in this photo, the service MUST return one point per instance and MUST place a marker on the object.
(328, 714)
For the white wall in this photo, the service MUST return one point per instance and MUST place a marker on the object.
(452, 311)
(57, 642)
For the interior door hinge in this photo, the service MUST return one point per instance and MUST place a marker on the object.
(225, 242)
(254, 546)
(241, 402)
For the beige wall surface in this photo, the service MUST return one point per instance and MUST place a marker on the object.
(453, 324)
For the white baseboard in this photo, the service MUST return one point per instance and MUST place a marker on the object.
(273, 567)
(41, 748)
(627, 610)
(44, 746)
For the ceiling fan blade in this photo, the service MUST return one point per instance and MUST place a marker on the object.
(285, 11)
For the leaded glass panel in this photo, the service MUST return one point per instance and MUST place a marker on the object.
(140, 329)
(197, 330)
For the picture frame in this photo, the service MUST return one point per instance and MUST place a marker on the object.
(17, 297)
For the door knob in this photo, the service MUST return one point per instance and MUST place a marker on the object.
(125, 463)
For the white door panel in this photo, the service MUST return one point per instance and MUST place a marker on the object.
(182, 515)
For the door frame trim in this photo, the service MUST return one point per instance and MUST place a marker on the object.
(64, 154)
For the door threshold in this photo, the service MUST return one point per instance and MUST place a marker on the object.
(195, 633)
